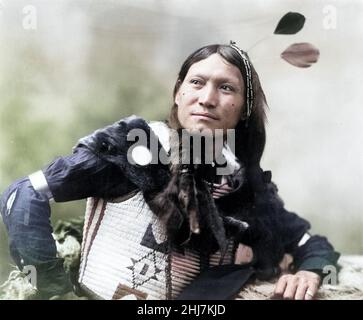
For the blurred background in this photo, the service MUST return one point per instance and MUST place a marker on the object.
(70, 67)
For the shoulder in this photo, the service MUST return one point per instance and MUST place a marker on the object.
(119, 136)
(260, 180)
(265, 188)
(112, 135)
(132, 151)
(162, 131)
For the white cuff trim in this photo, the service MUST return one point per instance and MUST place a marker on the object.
(304, 239)
(40, 184)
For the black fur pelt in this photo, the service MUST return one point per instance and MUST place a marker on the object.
(181, 198)
(261, 211)
(188, 210)
(113, 143)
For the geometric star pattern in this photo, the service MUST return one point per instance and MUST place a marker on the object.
(144, 269)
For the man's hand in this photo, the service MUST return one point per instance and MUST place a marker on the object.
(302, 285)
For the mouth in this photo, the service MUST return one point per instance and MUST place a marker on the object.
(204, 115)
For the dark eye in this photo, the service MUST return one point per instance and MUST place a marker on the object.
(227, 87)
(195, 81)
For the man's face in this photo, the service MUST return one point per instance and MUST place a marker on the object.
(211, 95)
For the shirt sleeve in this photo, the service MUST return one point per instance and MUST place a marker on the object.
(314, 253)
(309, 252)
(83, 174)
(26, 211)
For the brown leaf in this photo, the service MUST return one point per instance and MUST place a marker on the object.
(301, 55)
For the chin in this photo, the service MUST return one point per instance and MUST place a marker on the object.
(203, 129)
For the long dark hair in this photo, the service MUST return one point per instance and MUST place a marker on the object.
(251, 138)
(186, 204)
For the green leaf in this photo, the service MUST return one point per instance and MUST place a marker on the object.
(290, 23)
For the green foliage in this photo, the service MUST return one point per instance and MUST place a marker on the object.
(44, 109)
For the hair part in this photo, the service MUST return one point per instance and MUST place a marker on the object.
(252, 138)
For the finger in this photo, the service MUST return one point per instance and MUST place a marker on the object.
(301, 290)
(222, 186)
(244, 254)
(291, 287)
(311, 291)
(220, 193)
(280, 286)
(193, 222)
(309, 295)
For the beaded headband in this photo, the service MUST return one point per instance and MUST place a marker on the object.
(249, 89)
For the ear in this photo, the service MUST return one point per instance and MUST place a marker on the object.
(177, 98)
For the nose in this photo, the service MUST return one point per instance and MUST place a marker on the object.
(208, 97)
